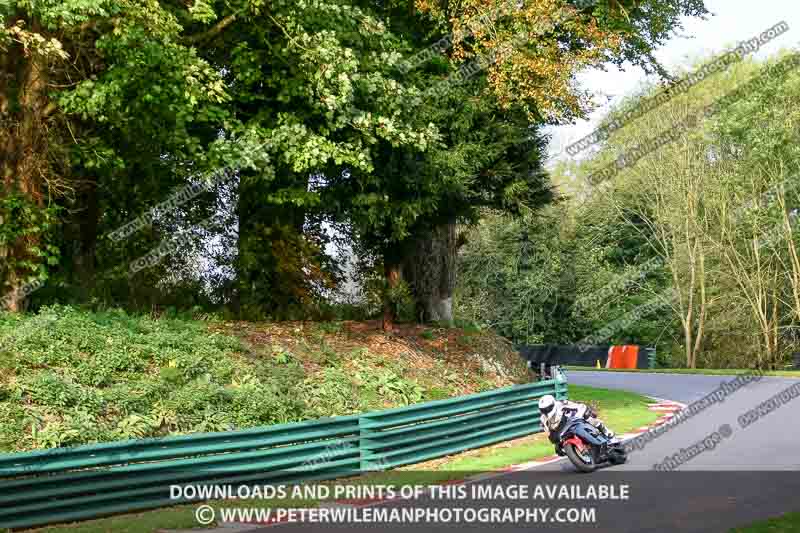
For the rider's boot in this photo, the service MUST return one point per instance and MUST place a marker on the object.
(605, 431)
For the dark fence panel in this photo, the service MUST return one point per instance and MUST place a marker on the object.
(554, 354)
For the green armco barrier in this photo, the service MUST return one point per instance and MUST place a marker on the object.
(83, 482)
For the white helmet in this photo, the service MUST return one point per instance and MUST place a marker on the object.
(550, 408)
(546, 404)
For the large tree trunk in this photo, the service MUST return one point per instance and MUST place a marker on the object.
(23, 149)
(430, 269)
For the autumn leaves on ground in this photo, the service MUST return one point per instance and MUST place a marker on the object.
(443, 361)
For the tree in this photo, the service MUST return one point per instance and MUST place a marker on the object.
(88, 90)
(515, 276)
(559, 39)
(524, 60)
(316, 83)
(762, 187)
(408, 214)
(714, 204)
(306, 110)
(167, 94)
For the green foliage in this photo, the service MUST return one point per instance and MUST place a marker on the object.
(437, 393)
(26, 225)
(77, 377)
(464, 341)
(71, 376)
(328, 356)
(347, 311)
(676, 217)
(356, 385)
(468, 327)
(330, 327)
(387, 384)
(331, 391)
(303, 107)
(514, 277)
(378, 292)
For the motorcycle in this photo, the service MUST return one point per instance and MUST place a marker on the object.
(587, 448)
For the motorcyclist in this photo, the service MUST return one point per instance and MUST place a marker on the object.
(555, 413)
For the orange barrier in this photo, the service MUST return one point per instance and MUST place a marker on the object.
(623, 356)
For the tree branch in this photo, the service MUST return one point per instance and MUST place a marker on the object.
(212, 32)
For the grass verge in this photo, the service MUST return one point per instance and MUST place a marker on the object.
(789, 523)
(622, 411)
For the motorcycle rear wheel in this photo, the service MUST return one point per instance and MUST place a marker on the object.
(583, 462)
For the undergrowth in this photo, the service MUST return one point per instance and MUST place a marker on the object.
(69, 377)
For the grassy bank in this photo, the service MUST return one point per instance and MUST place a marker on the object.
(70, 377)
(623, 411)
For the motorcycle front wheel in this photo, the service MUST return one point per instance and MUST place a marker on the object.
(583, 461)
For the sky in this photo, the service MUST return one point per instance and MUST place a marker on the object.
(730, 22)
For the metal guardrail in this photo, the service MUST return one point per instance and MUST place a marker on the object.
(83, 482)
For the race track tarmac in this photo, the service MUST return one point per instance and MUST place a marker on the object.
(768, 443)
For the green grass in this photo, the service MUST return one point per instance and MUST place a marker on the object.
(703, 371)
(69, 376)
(147, 522)
(622, 411)
(501, 457)
(789, 523)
